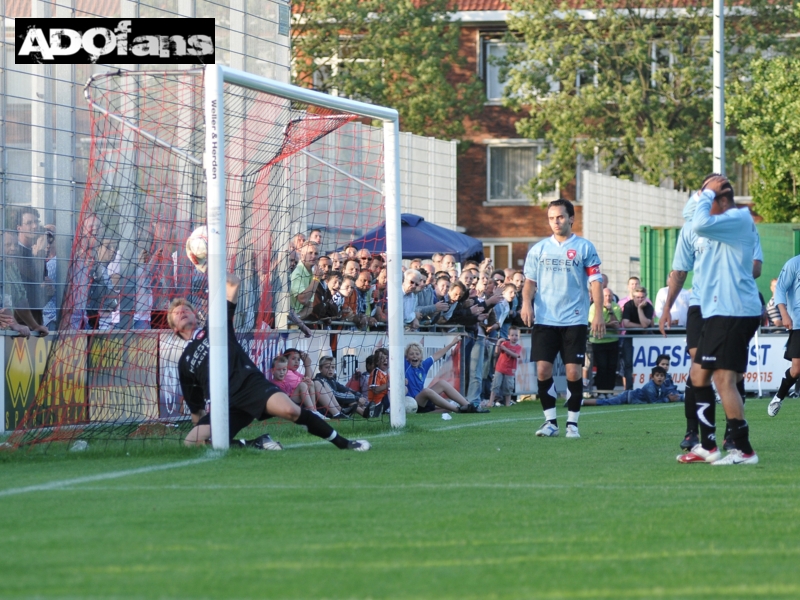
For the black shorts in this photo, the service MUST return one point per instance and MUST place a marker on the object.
(793, 345)
(429, 407)
(237, 420)
(547, 341)
(253, 395)
(694, 326)
(725, 343)
(247, 408)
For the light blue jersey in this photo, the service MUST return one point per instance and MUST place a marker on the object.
(690, 246)
(787, 290)
(727, 288)
(562, 272)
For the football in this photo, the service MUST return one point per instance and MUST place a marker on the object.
(411, 405)
(197, 248)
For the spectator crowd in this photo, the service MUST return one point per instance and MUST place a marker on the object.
(338, 290)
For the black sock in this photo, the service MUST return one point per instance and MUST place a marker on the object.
(321, 429)
(740, 433)
(740, 389)
(575, 390)
(545, 397)
(786, 384)
(690, 408)
(706, 416)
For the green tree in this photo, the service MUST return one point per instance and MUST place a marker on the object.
(765, 109)
(402, 53)
(631, 86)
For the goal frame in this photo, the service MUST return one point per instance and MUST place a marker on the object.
(214, 164)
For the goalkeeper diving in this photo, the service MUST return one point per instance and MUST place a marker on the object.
(250, 395)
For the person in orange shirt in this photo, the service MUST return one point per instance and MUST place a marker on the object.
(378, 392)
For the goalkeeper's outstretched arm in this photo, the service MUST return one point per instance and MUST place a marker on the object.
(232, 287)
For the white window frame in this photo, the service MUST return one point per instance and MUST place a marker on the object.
(491, 144)
(493, 246)
(335, 62)
(485, 70)
(490, 72)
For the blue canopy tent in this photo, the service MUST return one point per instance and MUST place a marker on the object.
(422, 240)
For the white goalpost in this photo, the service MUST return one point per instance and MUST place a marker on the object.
(261, 164)
(216, 76)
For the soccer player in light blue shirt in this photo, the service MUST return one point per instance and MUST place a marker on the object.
(731, 313)
(555, 302)
(689, 248)
(787, 299)
(728, 288)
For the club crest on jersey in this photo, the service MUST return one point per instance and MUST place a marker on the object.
(571, 254)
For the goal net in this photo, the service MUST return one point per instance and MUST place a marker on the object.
(262, 165)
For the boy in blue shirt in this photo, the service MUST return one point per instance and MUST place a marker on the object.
(653, 392)
(670, 389)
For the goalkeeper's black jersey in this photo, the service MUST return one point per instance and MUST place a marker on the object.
(246, 384)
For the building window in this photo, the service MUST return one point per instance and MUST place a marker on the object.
(493, 50)
(500, 255)
(511, 168)
(346, 59)
(743, 176)
(494, 85)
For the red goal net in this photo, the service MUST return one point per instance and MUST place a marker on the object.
(291, 168)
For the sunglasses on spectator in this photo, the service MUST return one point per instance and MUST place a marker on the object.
(498, 280)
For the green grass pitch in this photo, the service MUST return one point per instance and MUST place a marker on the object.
(476, 507)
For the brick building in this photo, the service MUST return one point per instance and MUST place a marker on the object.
(496, 161)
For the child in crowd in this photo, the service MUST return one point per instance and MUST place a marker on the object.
(363, 378)
(508, 353)
(429, 399)
(325, 308)
(296, 389)
(294, 359)
(335, 398)
(379, 296)
(653, 392)
(670, 389)
(506, 310)
(346, 301)
(378, 390)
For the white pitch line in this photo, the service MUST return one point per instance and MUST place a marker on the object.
(700, 486)
(211, 455)
(392, 433)
(56, 485)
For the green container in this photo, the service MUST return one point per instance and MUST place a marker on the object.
(779, 241)
(657, 248)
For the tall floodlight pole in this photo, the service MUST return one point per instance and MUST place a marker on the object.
(719, 87)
